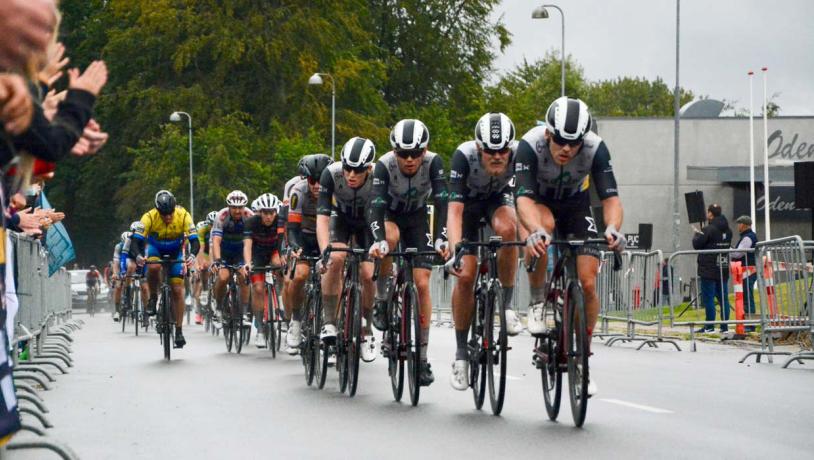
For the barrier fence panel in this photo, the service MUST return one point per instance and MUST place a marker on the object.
(784, 275)
(643, 289)
(709, 291)
(610, 288)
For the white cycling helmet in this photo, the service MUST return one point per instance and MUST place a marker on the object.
(494, 131)
(358, 152)
(568, 120)
(125, 236)
(137, 227)
(236, 198)
(266, 202)
(409, 134)
(201, 225)
(210, 218)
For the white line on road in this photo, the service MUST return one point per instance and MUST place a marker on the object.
(652, 409)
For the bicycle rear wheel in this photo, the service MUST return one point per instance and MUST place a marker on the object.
(577, 346)
(392, 340)
(497, 347)
(412, 327)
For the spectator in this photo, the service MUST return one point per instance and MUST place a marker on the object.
(665, 282)
(713, 269)
(747, 259)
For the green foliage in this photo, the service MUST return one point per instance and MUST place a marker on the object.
(241, 68)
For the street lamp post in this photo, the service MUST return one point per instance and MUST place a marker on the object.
(542, 13)
(316, 79)
(176, 117)
(676, 122)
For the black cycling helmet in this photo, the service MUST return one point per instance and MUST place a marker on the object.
(165, 202)
(312, 166)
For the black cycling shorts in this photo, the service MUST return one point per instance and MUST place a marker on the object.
(573, 219)
(346, 230)
(414, 230)
(262, 257)
(478, 213)
(310, 246)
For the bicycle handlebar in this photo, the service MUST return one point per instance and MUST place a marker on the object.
(617, 258)
(409, 253)
(494, 242)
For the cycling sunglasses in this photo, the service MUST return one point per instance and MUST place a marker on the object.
(502, 151)
(404, 154)
(357, 170)
(563, 142)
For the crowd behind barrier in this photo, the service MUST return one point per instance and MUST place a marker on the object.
(40, 346)
(647, 295)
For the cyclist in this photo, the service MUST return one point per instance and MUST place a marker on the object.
(124, 265)
(116, 275)
(166, 228)
(345, 191)
(93, 281)
(480, 182)
(227, 246)
(403, 180)
(289, 185)
(261, 246)
(555, 165)
(203, 229)
(302, 238)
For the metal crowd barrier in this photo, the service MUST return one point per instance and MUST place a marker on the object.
(43, 328)
(784, 281)
(612, 292)
(643, 299)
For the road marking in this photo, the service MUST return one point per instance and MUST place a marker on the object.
(511, 377)
(652, 409)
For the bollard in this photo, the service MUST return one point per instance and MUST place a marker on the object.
(737, 284)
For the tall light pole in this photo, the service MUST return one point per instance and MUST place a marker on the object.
(542, 13)
(676, 115)
(316, 79)
(176, 117)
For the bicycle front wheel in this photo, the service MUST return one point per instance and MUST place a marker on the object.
(308, 352)
(355, 341)
(577, 346)
(166, 332)
(395, 356)
(238, 334)
(342, 338)
(412, 327)
(496, 347)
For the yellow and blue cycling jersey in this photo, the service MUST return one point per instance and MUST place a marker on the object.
(167, 239)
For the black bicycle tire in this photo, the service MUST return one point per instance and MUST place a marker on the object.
(226, 321)
(309, 359)
(355, 343)
(497, 352)
(477, 364)
(318, 350)
(341, 342)
(124, 311)
(414, 346)
(577, 355)
(271, 324)
(237, 321)
(166, 333)
(395, 356)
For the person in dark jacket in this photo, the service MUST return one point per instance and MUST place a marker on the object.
(713, 269)
(747, 259)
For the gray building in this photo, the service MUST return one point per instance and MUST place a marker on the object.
(714, 158)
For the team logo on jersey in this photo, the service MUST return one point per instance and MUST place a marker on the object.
(591, 224)
(377, 181)
(294, 200)
(454, 174)
(429, 240)
(374, 227)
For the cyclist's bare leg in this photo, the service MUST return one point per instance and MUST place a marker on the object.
(587, 268)
(178, 304)
(244, 291)
(463, 303)
(153, 276)
(332, 284)
(504, 223)
(392, 235)
(258, 298)
(537, 278)
(220, 285)
(421, 276)
(296, 291)
(368, 290)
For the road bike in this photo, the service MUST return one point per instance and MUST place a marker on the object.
(165, 317)
(235, 329)
(488, 343)
(310, 349)
(273, 314)
(565, 345)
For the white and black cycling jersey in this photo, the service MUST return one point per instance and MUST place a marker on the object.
(288, 186)
(541, 178)
(469, 181)
(336, 194)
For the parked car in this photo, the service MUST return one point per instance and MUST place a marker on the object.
(79, 290)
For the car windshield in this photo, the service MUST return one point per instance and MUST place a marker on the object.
(78, 276)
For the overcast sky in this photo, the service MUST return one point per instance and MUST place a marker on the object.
(721, 41)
